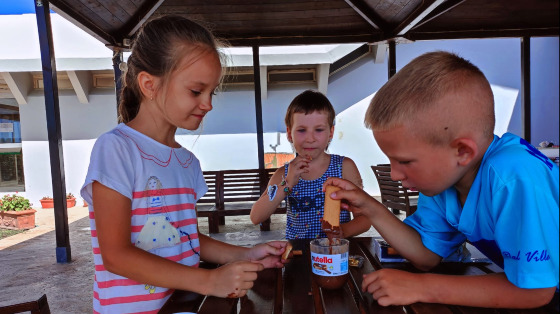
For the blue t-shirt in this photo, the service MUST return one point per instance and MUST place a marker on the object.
(306, 204)
(510, 215)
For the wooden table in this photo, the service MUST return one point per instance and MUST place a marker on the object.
(291, 290)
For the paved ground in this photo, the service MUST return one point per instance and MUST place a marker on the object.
(28, 267)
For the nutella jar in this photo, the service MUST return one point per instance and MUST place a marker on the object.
(329, 262)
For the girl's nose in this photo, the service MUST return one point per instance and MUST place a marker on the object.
(206, 104)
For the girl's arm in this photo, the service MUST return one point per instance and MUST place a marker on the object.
(112, 213)
(360, 223)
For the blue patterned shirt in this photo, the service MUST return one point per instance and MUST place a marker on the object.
(306, 203)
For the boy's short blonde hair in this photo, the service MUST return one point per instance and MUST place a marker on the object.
(418, 88)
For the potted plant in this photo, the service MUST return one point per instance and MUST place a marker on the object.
(70, 200)
(16, 212)
(48, 202)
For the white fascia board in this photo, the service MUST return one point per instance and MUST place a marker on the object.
(62, 64)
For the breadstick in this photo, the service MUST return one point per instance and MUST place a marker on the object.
(332, 207)
(286, 253)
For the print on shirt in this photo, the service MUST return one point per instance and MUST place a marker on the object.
(158, 231)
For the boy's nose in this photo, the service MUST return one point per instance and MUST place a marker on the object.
(396, 174)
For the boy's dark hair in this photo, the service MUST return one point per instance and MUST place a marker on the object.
(308, 102)
(158, 48)
(418, 86)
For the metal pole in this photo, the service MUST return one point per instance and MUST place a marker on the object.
(63, 253)
(258, 105)
(392, 62)
(526, 87)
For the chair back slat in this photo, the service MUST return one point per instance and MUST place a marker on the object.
(393, 195)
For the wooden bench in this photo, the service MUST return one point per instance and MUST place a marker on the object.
(233, 193)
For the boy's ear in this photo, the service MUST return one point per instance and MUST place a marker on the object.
(147, 84)
(465, 149)
(289, 134)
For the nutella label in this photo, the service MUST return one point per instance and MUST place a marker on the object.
(329, 265)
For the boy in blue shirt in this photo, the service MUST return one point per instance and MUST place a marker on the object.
(434, 120)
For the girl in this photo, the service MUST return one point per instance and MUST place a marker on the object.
(143, 186)
(310, 128)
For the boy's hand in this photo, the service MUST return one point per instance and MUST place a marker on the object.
(298, 166)
(268, 254)
(393, 287)
(354, 199)
(233, 280)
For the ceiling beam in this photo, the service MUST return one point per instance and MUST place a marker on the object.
(20, 84)
(81, 82)
(416, 16)
(140, 17)
(441, 9)
(483, 33)
(368, 14)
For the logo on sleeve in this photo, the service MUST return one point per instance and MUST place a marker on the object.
(536, 153)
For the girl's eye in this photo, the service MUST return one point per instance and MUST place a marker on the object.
(196, 92)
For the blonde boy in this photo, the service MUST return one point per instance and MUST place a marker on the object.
(434, 120)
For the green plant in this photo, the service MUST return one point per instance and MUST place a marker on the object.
(45, 198)
(70, 196)
(14, 203)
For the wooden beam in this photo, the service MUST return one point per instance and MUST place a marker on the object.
(323, 77)
(481, 33)
(369, 15)
(441, 9)
(81, 82)
(20, 84)
(63, 252)
(142, 15)
(417, 15)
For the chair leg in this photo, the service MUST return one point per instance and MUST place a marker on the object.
(213, 223)
(265, 225)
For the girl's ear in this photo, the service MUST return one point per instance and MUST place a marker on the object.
(332, 133)
(465, 150)
(147, 84)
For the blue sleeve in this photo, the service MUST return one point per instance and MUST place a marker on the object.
(526, 231)
(430, 222)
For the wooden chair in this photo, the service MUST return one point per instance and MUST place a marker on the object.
(40, 306)
(393, 194)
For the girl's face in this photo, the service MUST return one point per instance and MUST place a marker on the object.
(310, 133)
(188, 94)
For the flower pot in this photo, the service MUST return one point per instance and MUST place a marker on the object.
(70, 202)
(24, 219)
(47, 203)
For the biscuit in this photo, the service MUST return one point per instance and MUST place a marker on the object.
(286, 253)
(332, 207)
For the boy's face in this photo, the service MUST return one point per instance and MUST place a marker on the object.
(310, 133)
(427, 168)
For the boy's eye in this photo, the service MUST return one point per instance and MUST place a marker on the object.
(404, 162)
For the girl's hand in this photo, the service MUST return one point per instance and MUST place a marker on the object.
(393, 287)
(268, 254)
(298, 165)
(233, 280)
(354, 199)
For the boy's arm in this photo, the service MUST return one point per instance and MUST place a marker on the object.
(395, 287)
(402, 237)
(359, 224)
(267, 203)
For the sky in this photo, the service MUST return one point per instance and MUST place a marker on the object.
(16, 7)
